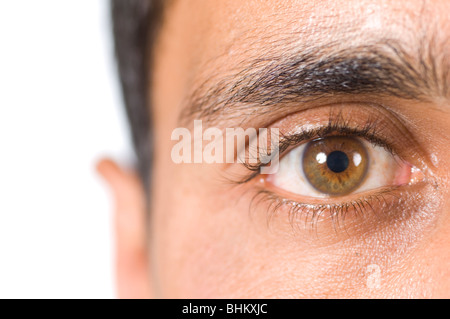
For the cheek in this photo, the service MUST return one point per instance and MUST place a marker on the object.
(206, 244)
(202, 248)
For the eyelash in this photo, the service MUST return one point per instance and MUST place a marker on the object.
(311, 213)
(336, 125)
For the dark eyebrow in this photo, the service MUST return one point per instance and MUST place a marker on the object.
(384, 69)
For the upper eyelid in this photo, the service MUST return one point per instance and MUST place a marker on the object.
(313, 213)
(380, 124)
(322, 132)
(368, 132)
(377, 122)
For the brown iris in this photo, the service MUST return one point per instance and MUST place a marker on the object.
(335, 165)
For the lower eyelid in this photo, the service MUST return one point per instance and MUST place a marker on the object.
(350, 217)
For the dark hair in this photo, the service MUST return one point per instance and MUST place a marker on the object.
(135, 28)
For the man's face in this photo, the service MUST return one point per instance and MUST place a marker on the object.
(371, 73)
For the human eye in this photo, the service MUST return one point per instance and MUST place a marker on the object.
(341, 165)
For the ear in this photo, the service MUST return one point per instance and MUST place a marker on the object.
(132, 269)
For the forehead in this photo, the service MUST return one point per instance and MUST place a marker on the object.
(204, 39)
(212, 29)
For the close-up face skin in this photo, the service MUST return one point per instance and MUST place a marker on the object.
(359, 206)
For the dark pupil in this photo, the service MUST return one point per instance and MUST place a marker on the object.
(337, 161)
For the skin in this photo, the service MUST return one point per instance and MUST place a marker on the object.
(203, 241)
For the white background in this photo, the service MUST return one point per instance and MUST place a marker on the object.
(60, 111)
